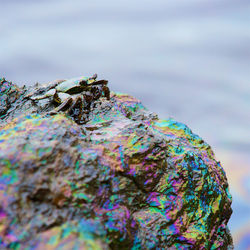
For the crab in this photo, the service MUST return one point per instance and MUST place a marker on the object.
(73, 96)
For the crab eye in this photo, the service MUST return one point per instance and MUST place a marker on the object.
(93, 77)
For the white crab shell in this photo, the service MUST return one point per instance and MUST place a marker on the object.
(73, 83)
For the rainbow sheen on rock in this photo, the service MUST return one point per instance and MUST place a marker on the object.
(125, 179)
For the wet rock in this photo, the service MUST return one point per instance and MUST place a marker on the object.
(9, 93)
(123, 180)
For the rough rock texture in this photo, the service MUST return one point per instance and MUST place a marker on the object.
(123, 180)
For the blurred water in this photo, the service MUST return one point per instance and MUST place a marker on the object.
(186, 59)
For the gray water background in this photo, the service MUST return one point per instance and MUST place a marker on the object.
(189, 60)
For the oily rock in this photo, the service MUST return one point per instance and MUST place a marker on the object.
(122, 180)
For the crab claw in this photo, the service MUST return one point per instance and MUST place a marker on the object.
(61, 97)
(40, 97)
(64, 106)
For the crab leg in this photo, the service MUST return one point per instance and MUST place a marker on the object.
(106, 92)
(40, 97)
(64, 106)
(76, 109)
(77, 102)
(47, 89)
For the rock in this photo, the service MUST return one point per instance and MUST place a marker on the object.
(122, 180)
(9, 93)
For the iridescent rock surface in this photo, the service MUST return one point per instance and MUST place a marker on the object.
(123, 180)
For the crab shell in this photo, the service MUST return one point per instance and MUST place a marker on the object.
(75, 85)
(62, 89)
